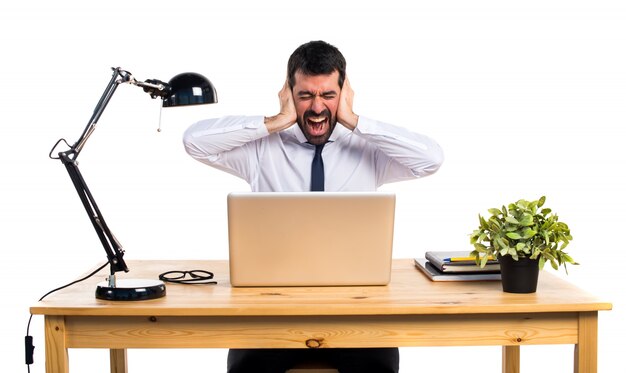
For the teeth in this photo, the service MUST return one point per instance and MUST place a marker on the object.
(317, 120)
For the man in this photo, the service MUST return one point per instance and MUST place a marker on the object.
(273, 155)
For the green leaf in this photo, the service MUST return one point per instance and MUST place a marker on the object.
(546, 237)
(483, 222)
(480, 247)
(483, 260)
(494, 223)
(554, 264)
(511, 220)
(500, 243)
(526, 220)
(568, 259)
(494, 211)
(522, 204)
(542, 200)
(542, 262)
(514, 236)
(528, 233)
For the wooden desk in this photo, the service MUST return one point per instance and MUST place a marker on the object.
(411, 311)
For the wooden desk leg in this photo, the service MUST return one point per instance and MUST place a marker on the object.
(510, 359)
(119, 362)
(57, 360)
(586, 351)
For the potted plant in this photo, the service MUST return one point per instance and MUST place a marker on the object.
(523, 237)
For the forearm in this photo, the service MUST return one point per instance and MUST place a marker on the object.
(277, 123)
(209, 138)
(419, 153)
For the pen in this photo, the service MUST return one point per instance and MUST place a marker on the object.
(462, 259)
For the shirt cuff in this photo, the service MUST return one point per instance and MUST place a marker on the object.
(366, 126)
(258, 122)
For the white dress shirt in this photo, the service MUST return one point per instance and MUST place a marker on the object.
(375, 153)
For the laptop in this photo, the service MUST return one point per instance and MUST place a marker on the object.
(310, 239)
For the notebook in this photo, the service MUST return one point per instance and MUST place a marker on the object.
(310, 239)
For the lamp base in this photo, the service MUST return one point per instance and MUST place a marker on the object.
(130, 290)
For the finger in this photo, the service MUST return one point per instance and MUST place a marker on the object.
(287, 85)
(284, 87)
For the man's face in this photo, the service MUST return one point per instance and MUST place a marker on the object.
(316, 98)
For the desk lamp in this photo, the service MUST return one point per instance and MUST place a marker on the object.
(183, 89)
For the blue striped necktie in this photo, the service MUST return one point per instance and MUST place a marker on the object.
(317, 170)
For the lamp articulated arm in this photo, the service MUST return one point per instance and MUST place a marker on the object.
(155, 88)
(113, 249)
(183, 89)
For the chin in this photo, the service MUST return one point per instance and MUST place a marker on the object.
(318, 140)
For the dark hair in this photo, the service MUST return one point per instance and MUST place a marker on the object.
(316, 58)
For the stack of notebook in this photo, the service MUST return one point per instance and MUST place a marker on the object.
(456, 266)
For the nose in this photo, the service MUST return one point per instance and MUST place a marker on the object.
(318, 104)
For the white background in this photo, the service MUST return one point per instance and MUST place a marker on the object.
(526, 98)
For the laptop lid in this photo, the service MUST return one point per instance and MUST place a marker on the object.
(310, 239)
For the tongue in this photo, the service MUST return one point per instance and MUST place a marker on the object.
(316, 128)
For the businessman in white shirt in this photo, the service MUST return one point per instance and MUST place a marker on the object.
(274, 155)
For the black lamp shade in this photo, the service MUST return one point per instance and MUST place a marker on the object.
(190, 89)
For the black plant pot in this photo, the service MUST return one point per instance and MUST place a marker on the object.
(519, 276)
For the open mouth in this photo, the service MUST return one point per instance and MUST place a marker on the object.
(317, 126)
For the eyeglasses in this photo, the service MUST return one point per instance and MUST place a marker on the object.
(196, 276)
